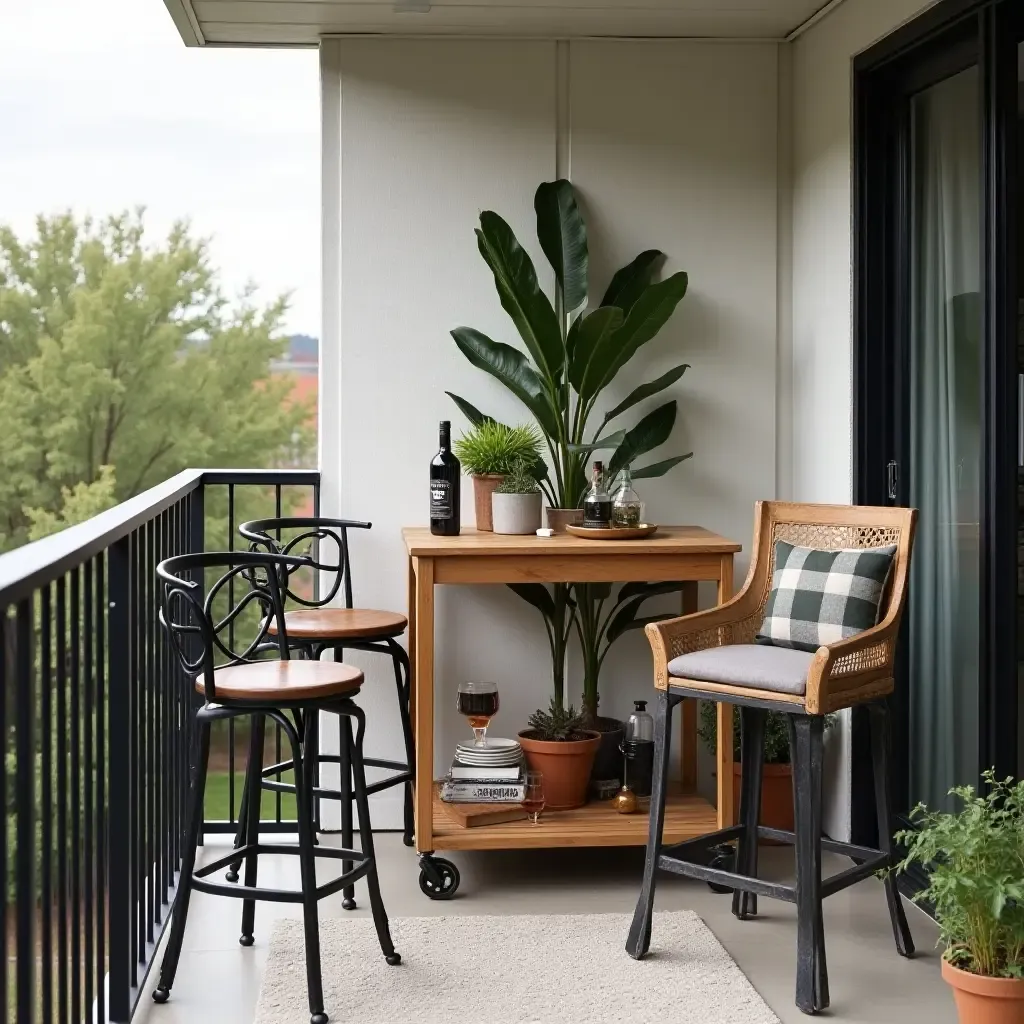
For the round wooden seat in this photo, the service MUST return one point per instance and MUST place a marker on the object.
(340, 623)
(272, 681)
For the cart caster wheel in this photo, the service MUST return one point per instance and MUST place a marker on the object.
(724, 859)
(439, 878)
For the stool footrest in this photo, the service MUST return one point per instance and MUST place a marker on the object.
(691, 869)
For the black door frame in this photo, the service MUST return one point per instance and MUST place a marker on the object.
(947, 38)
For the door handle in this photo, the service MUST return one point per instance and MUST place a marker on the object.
(892, 473)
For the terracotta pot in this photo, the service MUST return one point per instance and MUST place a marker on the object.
(985, 1000)
(483, 488)
(566, 767)
(559, 518)
(776, 794)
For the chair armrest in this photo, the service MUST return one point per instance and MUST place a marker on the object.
(714, 627)
(857, 664)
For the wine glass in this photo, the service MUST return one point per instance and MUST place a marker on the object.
(479, 703)
(533, 796)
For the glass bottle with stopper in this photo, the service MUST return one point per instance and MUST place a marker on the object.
(597, 506)
(627, 508)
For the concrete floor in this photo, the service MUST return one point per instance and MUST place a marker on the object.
(870, 984)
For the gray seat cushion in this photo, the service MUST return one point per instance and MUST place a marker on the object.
(779, 669)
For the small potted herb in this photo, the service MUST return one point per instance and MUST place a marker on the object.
(515, 503)
(488, 451)
(557, 744)
(777, 773)
(975, 860)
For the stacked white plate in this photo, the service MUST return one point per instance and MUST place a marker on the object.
(495, 753)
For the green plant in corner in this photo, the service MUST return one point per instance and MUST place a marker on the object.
(975, 859)
(519, 480)
(558, 724)
(571, 358)
(492, 447)
(776, 733)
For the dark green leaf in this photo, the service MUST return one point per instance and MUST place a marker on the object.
(471, 412)
(651, 431)
(592, 335)
(659, 468)
(521, 295)
(646, 317)
(646, 390)
(609, 441)
(626, 618)
(571, 338)
(513, 369)
(536, 594)
(629, 282)
(563, 237)
(629, 590)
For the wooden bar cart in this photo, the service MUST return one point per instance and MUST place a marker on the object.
(675, 553)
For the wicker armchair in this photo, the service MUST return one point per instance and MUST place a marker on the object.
(853, 671)
(803, 687)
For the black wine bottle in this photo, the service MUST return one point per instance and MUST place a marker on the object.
(445, 476)
(597, 505)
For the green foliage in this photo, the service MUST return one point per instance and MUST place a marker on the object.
(491, 447)
(571, 357)
(122, 363)
(776, 733)
(520, 480)
(976, 883)
(558, 724)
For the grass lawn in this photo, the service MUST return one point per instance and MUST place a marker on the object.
(217, 798)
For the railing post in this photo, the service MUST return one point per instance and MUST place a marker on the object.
(25, 809)
(119, 817)
(197, 521)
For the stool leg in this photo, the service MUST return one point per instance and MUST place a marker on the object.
(253, 777)
(243, 807)
(880, 742)
(380, 917)
(638, 942)
(307, 868)
(806, 732)
(169, 965)
(348, 894)
(403, 681)
(752, 725)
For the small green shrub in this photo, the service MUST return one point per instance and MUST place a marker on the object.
(492, 447)
(519, 480)
(776, 733)
(558, 724)
(976, 882)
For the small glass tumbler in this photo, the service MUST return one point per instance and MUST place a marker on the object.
(533, 798)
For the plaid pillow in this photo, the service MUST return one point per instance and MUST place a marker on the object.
(819, 597)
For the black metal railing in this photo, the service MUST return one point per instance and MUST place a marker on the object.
(95, 765)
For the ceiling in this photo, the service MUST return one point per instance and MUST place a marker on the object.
(302, 22)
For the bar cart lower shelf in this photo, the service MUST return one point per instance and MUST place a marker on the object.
(595, 824)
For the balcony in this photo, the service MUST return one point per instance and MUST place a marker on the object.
(95, 773)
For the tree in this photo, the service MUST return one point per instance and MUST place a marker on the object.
(122, 363)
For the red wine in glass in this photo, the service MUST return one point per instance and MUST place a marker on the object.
(479, 703)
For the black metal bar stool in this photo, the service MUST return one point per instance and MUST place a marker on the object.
(315, 627)
(713, 656)
(289, 692)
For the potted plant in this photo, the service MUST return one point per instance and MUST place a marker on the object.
(516, 502)
(572, 357)
(777, 772)
(557, 744)
(488, 451)
(975, 859)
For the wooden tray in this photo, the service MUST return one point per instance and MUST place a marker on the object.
(474, 815)
(613, 532)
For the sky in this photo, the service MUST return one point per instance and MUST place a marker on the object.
(103, 108)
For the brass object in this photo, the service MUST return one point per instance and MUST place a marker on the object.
(625, 801)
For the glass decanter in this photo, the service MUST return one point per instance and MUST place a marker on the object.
(627, 508)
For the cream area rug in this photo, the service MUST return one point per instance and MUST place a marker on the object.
(552, 969)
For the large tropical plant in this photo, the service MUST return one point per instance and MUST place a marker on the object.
(572, 355)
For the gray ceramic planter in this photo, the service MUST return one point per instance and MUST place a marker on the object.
(515, 513)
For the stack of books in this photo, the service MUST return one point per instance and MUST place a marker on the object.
(491, 774)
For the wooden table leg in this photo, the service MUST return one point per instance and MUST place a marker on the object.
(423, 683)
(410, 639)
(726, 811)
(688, 711)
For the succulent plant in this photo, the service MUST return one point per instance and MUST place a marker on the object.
(557, 724)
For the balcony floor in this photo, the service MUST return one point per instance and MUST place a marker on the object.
(870, 984)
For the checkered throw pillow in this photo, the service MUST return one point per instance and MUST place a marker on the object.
(820, 597)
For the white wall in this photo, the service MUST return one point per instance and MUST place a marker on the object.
(816, 376)
(672, 144)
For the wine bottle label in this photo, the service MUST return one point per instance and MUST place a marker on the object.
(440, 499)
(597, 515)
